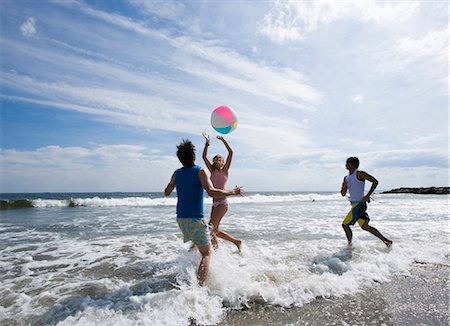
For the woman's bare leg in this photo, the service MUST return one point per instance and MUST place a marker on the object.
(216, 217)
(213, 231)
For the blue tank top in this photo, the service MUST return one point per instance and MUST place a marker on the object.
(189, 192)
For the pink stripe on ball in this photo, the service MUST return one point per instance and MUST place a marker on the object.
(225, 112)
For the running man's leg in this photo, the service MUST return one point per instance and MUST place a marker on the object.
(197, 231)
(365, 226)
(348, 233)
(349, 220)
(203, 268)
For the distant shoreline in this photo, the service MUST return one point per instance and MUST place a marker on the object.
(421, 191)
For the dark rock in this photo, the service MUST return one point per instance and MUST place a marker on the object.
(13, 204)
(420, 191)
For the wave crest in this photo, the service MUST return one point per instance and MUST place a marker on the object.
(159, 201)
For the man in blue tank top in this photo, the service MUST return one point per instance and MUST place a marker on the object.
(354, 183)
(190, 180)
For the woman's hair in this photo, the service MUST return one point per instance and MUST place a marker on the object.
(214, 158)
(353, 160)
(217, 156)
(186, 153)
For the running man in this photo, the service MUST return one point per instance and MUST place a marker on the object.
(190, 180)
(354, 183)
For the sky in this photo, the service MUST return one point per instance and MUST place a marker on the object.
(95, 95)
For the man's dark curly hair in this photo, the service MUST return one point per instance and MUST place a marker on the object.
(353, 160)
(186, 153)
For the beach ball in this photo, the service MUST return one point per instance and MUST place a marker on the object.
(224, 119)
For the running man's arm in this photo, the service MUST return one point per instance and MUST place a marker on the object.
(205, 152)
(171, 186)
(366, 176)
(344, 187)
(227, 165)
(214, 192)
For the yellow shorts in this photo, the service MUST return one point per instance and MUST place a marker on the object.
(357, 213)
(195, 230)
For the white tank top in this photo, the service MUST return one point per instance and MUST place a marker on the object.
(355, 186)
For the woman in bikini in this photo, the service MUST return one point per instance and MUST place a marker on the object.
(219, 176)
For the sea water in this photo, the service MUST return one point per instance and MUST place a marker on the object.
(119, 258)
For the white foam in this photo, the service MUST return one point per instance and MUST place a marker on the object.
(265, 198)
(292, 254)
(127, 201)
(172, 201)
(43, 203)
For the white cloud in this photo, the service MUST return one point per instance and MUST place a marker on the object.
(223, 65)
(65, 157)
(98, 168)
(280, 85)
(294, 101)
(358, 98)
(292, 20)
(207, 60)
(408, 158)
(94, 81)
(167, 9)
(46, 156)
(136, 168)
(435, 138)
(434, 46)
(115, 153)
(420, 59)
(280, 24)
(361, 143)
(28, 28)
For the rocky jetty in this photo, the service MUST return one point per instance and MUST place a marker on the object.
(420, 191)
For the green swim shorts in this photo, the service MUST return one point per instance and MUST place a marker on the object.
(195, 230)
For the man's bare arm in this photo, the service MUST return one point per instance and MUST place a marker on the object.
(344, 188)
(366, 176)
(171, 186)
(214, 192)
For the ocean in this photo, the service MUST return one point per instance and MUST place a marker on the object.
(119, 259)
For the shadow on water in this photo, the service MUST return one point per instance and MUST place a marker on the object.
(338, 263)
(97, 295)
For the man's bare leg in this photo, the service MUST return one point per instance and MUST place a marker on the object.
(203, 268)
(376, 233)
(348, 233)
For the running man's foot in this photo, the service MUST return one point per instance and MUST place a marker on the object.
(388, 243)
(239, 245)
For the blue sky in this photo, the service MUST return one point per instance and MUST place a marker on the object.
(95, 95)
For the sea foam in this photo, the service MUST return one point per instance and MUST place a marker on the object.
(128, 265)
(171, 201)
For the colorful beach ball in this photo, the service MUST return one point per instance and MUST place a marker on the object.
(224, 119)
